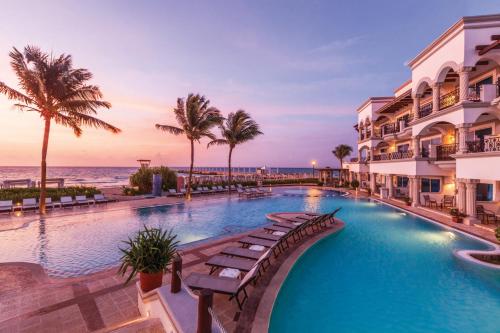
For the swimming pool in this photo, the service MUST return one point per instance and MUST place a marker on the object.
(79, 244)
(387, 272)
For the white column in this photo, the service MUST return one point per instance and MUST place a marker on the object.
(416, 106)
(410, 186)
(415, 194)
(470, 201)
(436, 88)
(463, 76)
(416, 145)
(389, 185)
(461, 195)
(463, 130)
(373, 182)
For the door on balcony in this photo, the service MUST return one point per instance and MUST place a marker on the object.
(480, 134)
(426, 145)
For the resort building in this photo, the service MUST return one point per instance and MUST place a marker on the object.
(437, 139)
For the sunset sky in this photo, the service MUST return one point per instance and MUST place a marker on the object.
(301, 68)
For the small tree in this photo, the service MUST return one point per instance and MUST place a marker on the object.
(341, 152)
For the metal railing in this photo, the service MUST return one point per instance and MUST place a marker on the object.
(444, 152)
(389, 128)
(486, 145)
(393, 156)
(449, 99)
(425, 110)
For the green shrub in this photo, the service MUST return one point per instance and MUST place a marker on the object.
(150, 251)
(497, 233)
(143, 179)
(355, 183)
(18, 194)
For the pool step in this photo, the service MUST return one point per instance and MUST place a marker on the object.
(142, 325)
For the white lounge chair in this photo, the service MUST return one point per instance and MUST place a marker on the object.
(100, 198)
(220, 188)
(67, 201)
(171, 192)
(50, 204)
(29, 203)
(82, 200)
(6, 206)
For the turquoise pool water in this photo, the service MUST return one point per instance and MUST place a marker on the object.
(387, 272)
(80, 244)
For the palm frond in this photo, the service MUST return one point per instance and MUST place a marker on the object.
(170, 129)
(86, 120)
(217, 142)
(14, 94)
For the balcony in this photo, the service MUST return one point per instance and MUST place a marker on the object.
(449, 99)
(425, 110)
(393, 156)
(444, 152)
(489, 144)
(398, 126)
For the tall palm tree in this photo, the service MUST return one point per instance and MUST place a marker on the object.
(195, 119)
(58, 92)
(238, 128)
(341, 152)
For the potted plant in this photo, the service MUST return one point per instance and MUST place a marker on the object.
(456, 216)
(149, 253)
(407, 201)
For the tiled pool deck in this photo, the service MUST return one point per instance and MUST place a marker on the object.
(32, 302)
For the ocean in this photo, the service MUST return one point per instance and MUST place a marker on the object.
(112, 176)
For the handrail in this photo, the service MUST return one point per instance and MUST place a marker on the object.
(216, 320)
(449, 99)
(425, 110)
(443, 152)
(398, 155)
(185, 286)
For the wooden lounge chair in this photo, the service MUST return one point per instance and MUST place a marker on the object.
(448, 201)
(429, 202)
(67, 201)
(241, 252)
(247, 241)
(485, 215)
(100, 198)
(82, 200)
(223, 285)
(243, 265)
(29, 203)
(6, 206)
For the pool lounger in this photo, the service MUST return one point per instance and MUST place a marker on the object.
(29, 203)
(241, 252)
(224, 285)
(6, 206)
(67, 201)
(82, 200)
(100, 198)
(243, 265)
(247, 241)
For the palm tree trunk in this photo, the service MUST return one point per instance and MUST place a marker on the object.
(45, 146)
(229, 174)
(188, 191)
(341, 170)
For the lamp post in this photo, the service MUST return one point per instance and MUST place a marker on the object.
(313, 165)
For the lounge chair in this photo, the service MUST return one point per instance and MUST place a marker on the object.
(429, 202)
(50, 204)
(220, 188)
(207, 190)
(6, 206)
(448, 201)
(215, 189)
(242, 265)
(67, 201)
(82, 200)
(29, 203)
(485, 215)
(100, 198)
(241, 252)
(171, 192)
(223, 285)
(199, 190)
(247, 241)
(245, 194)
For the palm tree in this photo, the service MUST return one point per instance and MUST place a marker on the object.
(58, 92)
(195, 119)
(239, 127)
(341, 152)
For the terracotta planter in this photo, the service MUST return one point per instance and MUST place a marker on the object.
(150, 281)
(457, 219)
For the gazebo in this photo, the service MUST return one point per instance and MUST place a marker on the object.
(328, 176)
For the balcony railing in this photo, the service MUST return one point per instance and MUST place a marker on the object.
(425, 110)
(443, 152)
(389, 128)
(393, 156)
(491, 143)
(449, 99)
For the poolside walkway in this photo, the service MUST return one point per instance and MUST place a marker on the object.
(30, 301)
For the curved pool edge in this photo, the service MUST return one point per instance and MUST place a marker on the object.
(464, 254)
(264, 311)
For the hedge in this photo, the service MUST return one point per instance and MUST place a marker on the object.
(18, 194)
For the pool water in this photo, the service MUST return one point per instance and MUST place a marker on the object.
(387, 272)
(74, 245)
